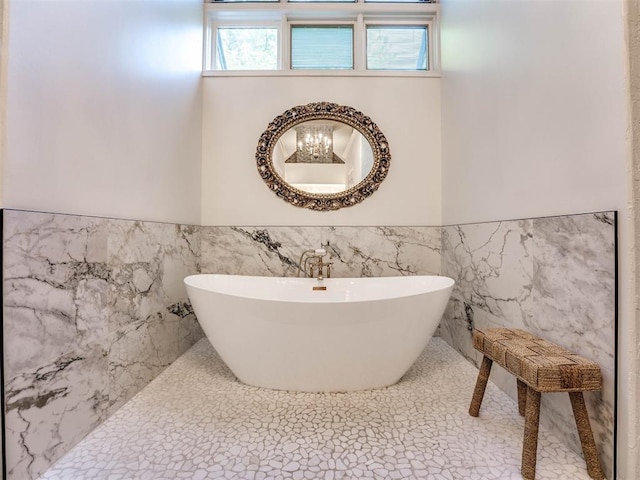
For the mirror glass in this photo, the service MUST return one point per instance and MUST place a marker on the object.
(322, 156)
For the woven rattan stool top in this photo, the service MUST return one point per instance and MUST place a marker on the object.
(540, 364)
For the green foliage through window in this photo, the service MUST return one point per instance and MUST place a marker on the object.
(247, 48)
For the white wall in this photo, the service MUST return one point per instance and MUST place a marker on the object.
(4, 50)
(535, 117)
(104, 108)
(237, 110)
(534, 108)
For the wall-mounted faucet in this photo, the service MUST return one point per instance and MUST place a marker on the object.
(317, 264)
(313, 265)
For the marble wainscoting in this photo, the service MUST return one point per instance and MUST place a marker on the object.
(94, 309)
(552, 276)
(360, 251)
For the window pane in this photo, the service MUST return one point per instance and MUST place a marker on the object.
(233, 1)
(322, 48)
(401, 1)
(324, 1)
(397, 48)
(247, 48)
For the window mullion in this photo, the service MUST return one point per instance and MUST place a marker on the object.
(359, 44)
(285, 43)
(209, 45)
(434, 44)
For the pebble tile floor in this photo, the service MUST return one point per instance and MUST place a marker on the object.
(196, 421)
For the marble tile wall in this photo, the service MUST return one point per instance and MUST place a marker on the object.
(359, 251)
(551, 276)
(94, 309)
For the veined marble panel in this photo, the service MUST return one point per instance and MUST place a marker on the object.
(55, 289)
(552, 276)
(385, 251)
(52, 408)
(491, 265)
(574, 283)
(263, 251)
(148, 328)
(360, 251)
(94, 309)
(55, 273)
(574, 305)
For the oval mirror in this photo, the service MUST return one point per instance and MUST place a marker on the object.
(323, 156)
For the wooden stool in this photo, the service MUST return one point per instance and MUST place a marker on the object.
(539, 366)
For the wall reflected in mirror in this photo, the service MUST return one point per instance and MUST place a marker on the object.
(322, 156)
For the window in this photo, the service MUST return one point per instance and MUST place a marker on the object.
(321, 47)
(324, 1)
(380, 1)
(246, 48)
(335, 38)
(397, 48)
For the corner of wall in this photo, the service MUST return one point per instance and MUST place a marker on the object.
(630, 405)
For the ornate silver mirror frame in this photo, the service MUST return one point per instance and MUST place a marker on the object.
(323, 111)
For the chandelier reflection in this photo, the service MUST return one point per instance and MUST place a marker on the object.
(315, 145)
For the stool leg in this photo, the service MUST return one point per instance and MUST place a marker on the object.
(522, 396)
(481, 384)
(530, 443)
(586, 435)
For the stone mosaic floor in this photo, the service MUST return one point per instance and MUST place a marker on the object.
(195, 421)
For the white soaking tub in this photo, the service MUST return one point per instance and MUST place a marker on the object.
(281, 333)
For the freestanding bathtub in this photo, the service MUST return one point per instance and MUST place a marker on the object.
(281, 333)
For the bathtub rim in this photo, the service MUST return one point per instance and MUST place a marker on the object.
(447, 283)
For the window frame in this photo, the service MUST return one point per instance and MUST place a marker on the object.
(284, 14)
